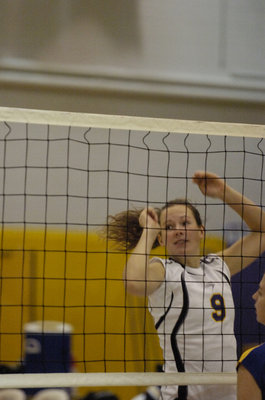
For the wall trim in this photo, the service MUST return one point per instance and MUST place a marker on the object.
(216, 87)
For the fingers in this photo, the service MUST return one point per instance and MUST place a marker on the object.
(198, 175)
(152, 213)
(209, 183)
(202, 178)
(148, 216)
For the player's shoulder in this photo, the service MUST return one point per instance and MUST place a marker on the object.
(215, 262)
(212, 259)
(173, 269)
(165, 261)
(256, 351)
(253, 354)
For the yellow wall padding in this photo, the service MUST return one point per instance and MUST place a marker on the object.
(76, 277)
(70, 276)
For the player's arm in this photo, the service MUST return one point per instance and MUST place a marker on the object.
(140, 276)
(247, 249)
(243, 252)
(247, 387)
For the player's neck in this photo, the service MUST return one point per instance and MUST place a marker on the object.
(188, 261)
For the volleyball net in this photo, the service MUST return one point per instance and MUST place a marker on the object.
(61, 176)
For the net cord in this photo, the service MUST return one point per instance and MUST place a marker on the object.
(127, 122)
(114, 379)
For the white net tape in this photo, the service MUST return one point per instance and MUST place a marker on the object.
(125, 122)
(114, 379)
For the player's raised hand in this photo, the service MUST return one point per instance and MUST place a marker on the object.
(209, 184)
(149, 219)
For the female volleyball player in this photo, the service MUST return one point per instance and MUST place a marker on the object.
(251, 368)
(189, 295)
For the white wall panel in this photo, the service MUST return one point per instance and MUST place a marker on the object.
(196, 49)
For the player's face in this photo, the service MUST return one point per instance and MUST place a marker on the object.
(180, 233)
(259, 298)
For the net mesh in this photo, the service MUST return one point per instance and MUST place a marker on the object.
(61, 176)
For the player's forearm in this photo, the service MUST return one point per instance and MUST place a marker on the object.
(251, 213)
(137, 264)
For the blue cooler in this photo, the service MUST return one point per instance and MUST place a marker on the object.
(47, 348)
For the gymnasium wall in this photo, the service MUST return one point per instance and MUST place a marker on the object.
(58, 276)
(68, 277)
(49, 275)
(177, 59)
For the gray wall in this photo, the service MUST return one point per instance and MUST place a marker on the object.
(75, 178)
(191, 59)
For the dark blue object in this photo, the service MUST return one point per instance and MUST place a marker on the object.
(47, 349)
(244, 284)
(47, 352)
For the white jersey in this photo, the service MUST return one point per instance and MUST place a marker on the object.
(193, 310)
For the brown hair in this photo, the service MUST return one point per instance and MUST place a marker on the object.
(186, 203)
(124, 229)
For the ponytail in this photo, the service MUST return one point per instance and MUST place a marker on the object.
(124, 229)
